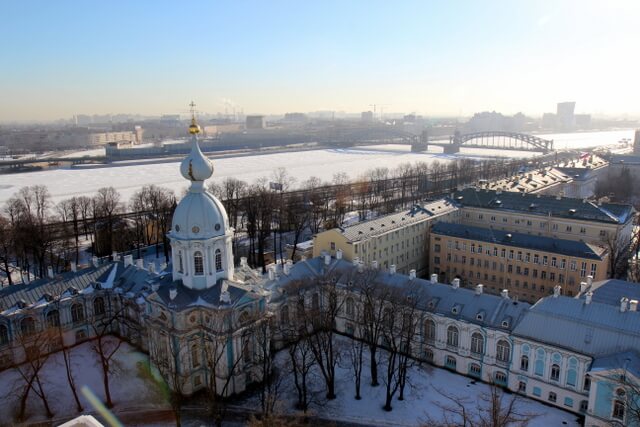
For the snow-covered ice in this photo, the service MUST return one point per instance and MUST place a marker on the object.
(128, 178)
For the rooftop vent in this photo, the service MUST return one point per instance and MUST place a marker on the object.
(572, 211)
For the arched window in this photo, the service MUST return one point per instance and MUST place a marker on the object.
(195, 356)
(98, 306)
(180, 263)
(452, 336)
(477, 343)
(218, 260)
(500, 378)
(450, 362)
(77, 313)
(503, 351)
(475, 369)
(555, 372)
(198, 263)
(350, 309)
(618, 405)
(28, 326)
(4, 335)
(429, 330)
(284, 314)
(53, 318)
(524, 363)
(246, 348)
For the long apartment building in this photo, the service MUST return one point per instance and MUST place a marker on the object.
(400, 239)
(551, 216)
(528, 266)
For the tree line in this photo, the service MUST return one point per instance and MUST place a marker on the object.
(36, 234)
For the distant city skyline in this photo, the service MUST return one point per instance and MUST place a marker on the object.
(440, 59)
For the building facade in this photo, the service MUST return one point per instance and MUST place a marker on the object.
(400, 239)
(529, 267)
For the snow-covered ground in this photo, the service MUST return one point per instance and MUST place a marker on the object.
(131, 386)
(65, 183)
(421, 402)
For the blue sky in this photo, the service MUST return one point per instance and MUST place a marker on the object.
(59, 58)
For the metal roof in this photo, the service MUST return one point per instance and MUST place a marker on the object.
(519, 240)
(437, 298)
(384, 224)
(594, 329)
(611, 290)
(538, 204)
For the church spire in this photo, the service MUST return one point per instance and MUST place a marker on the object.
(196, 167)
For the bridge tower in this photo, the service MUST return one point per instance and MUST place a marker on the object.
(422, 144)
(454, 144)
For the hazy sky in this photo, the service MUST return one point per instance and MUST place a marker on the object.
(59, 58)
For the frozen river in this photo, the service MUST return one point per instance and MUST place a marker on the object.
(65, 183)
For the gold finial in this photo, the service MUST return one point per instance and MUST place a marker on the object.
(194, 128)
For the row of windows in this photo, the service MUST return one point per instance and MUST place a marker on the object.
(503, 348)
(541, 224)
(198, 262)
(28, 324)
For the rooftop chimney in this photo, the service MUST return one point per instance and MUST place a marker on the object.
(434, 278)
(95, 261)
(339, 254)
(583, 287)
(173, 293)
(455, 283)
(272, 272)
(327, 259)
(479, 288)
(140, 263)
(633, 305)
(360, 266)
(50, 272)
(128, 260)
(504, 293)
(588, 297)
(74, 268)
(624, 303)
(243, 261)
(356, 261)
(412, 274)
(556, 291)
(374, 264)
(115, 256)
(287, 267)
(392, 269)
(152, 268)
(589, 281)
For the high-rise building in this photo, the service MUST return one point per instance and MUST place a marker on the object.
(565, 115)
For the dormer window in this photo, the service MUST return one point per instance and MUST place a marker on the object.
(480, 316)
(505, 323)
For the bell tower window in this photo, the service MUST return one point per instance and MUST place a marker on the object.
(198, 263)
(218, 260)
(180, 265)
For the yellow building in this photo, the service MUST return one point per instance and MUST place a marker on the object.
(400, 239)
(529, 267)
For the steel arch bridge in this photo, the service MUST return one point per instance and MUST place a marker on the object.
(499, 140)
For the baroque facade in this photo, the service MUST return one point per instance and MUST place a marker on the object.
(204, 322)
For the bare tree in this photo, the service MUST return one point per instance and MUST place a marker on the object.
(35, 343)
(491, 409)
(7, 246)
(107, 340)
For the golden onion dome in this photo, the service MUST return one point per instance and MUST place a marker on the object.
(194, 128)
